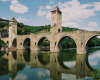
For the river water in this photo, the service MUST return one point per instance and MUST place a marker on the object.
(36, 65)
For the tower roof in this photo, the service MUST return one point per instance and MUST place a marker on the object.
(56, 9)
(13, 19)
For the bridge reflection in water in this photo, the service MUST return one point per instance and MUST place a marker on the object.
(16, 61)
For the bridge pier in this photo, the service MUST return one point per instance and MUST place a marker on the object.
(81, 48)
(10, 42)
(20, 42)
(33, 42)
(53, 42)
(54, 47)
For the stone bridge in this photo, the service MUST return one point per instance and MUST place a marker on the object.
(55, 65)
(55, 36)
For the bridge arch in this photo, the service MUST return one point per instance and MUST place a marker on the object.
(90, 38)
(14, 42)
(40, 40)
(26, 43)
(60, 40)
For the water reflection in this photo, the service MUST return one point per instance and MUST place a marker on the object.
(44, 66)
(68, 58)
(44, 58)
(26, 55)
(94, 57)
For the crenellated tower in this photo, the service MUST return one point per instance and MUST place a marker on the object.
(56, 27)
(12, 30)
(12, 27)
(56, 20)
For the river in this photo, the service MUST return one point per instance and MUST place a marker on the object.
(36, 65)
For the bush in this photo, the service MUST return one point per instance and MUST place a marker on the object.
(2, 53)
(2, 43)
(96, 73)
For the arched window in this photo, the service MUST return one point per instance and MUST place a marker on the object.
(7, 42)
(35, 43)
(58, 30)
(55, 43)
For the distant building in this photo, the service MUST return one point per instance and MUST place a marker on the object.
(4, 21)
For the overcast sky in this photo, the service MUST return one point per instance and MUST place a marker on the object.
(83, 14)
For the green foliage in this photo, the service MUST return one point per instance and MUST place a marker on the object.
(45, 43)
(92, 50)
(3, 67)
(20, 67)
(2, 53)
(19, 32)
(2, 43)
(46, 57)
(64, 29)
(4, 32)
(69, 55)
(68, 43)
(96, 73)
(21, 25)
(94, 42)
(3, 25)
(33, 29)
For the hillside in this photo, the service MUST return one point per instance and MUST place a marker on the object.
(25, 29)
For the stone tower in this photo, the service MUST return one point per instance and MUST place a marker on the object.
(12, 30)
(56, 27)
(56, 20)
(12, 27)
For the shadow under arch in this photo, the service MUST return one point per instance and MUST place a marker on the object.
(61, 39)
(26, 55)
(40, 41)
(14, 43)
(46, 59)
(26, 43)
